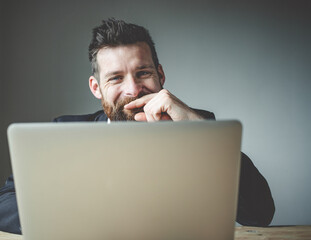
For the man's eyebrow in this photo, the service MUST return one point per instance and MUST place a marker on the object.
(113, 73)
(145, 66)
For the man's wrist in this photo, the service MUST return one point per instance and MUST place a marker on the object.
(193, 116)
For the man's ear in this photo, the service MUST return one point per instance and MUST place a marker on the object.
(161, 75)
(94, 87)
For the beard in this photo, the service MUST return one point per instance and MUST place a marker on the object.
(118, 113)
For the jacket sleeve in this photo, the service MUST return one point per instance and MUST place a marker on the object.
(9, 219)
(255, 202)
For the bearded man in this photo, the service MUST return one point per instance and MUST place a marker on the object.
(128, 79)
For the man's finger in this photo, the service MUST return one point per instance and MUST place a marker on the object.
(165, 117)
(140, 102)
(140, 117)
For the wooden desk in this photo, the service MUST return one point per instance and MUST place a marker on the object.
(9, 236)
(241, 233)
(273, 233)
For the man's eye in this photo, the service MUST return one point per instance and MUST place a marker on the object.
(143, 74)
(116, 78)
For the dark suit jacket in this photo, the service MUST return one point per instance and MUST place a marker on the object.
(255, 203)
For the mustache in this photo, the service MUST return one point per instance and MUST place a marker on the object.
(120, 104)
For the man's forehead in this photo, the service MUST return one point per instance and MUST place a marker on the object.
(139, 51)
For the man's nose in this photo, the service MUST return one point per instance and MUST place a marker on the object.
(132, 87)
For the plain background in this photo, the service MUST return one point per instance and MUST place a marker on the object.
(246, 60)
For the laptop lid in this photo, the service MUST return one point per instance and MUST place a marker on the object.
(163, 180)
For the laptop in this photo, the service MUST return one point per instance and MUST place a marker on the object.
(126, 181)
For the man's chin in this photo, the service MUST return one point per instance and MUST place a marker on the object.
(118, 113)
(122, 115)
(129, 115)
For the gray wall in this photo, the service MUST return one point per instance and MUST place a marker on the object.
(4, 169)
(248, 60)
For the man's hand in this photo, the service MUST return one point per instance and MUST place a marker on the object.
(162, 106)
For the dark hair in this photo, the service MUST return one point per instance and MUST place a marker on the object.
(114, 32)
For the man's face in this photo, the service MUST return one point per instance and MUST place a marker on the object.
(126, 73)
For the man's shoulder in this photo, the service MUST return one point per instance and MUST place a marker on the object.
(97, 116)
